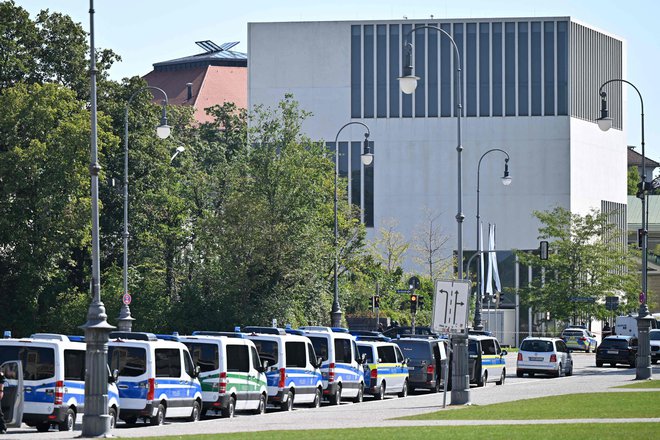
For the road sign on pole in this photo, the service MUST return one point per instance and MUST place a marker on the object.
(126, 299)
(451, 306)
(403, 291)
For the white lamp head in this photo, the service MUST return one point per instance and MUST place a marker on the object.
(604, 122)
(163, 131)
(408, 83)
(367, 156)
(506, 178)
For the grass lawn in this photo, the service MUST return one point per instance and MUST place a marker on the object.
(642, 384)
(600, 431)
(571, 406)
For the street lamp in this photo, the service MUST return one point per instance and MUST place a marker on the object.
(643, 364)
(125, 320)
(506, 181)
(367, 159)
(179, 149)
(460, 393)
(96, 421)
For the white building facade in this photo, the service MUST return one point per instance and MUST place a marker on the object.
(530, 87)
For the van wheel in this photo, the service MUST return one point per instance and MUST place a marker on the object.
(404, 391)
(316, 403)
(380, 395)
(502, 377)
(288, 405)
(112, 412)
(360, 395)
(261, 409)
(228, 412)
(159, 418)
(43, 427)
(483, 380)
(196, 412)
(336, 399)
(69, 421)
(599, 363)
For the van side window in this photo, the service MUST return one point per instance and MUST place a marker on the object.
(205, 356)
(488, 347)
(129, 361)
(399, 355)
(168, 362)
(74, 365)
(343, 350)
(296, 354)
(368, 352)
(498, 349)
(256, 362)
(356, 353)
(386, 354)
(188, 363)
(238, 358)
(311, 353)
(320, 346)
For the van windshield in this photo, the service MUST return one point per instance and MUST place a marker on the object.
(537, 346)
(129, 361)
(38, 362)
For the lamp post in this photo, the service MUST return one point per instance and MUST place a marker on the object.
(506, 181)
(367, 158)
(179, 149)
(460, 393)
(643, 364)
(96, 421)
(125, 320)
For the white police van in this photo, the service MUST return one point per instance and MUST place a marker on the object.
(53, 380)
(342, 371)
(231, 374)
(156, 378)
(385, 369)
(293, 369)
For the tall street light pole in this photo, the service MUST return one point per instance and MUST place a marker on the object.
(460, 393)
(125, 320)
(96, 421)
(367, 159)
(506, 181)
(643, 364)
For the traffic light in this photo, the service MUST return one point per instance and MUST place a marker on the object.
(377, 301)
(413, 303)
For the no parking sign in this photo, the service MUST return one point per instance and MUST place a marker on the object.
(126, 299)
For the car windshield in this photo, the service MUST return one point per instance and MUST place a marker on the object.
(655, 336)
(537, 346)
(614, 343)
(573, 333)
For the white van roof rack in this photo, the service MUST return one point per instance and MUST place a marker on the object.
(50, 337)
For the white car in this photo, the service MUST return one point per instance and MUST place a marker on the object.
(544, 356)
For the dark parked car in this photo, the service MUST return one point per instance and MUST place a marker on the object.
(617, 350)
(394, 332)
(426, 357)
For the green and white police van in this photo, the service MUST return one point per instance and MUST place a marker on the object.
(231, 372)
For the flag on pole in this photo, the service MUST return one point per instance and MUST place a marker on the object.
(489, 277)
(496, 273)
(481, 260)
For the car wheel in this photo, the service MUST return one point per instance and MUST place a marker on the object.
(69, 421)
(483, 380)
(404, 391)
(438, 386)
(502, 377)
(360, 395)
(588, 349)
(196, 413)
(558, 372)
(261, 409)
(159, 418)
(316, 403)
(230, 410)
(569, 372)
(519, 373)
(655, 361)
(633, 363)
(336, 399)
(112, 412)
(380, 395)
(288, 405)
(599, 363)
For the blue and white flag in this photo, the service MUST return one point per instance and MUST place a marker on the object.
(493, 272)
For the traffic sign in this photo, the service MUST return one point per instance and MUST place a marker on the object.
(126, 299)
(582, 299)
(414, 283)
(402, 291)
(451, 306)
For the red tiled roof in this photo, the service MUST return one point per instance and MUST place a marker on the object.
(211, 85)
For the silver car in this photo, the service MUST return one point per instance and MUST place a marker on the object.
(544, 356)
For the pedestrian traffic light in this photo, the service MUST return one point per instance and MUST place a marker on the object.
(377, 301)
(413, 303)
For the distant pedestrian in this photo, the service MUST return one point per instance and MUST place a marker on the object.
(3, 427)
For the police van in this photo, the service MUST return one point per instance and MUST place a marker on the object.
(343, 375)
(230, 372)
(486, 360)
(156, 378)
(385, 369)
(53, 368)
(293, 369)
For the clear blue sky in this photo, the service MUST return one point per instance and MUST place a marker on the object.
(147, 31)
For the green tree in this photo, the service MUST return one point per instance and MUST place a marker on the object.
(633, 180)
(44, 206)
(587, 259)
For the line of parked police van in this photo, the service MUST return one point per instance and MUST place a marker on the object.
(218, 373)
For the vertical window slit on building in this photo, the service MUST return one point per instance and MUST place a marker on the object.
(369, 193)
(406, 100)
(381, 71)
(356, 172)
(536, 68)
(446, 72)
(432, 71)
(458, 38)
(523, 69)
(395, 48)
(497, 64)
(356, 63)
(510, 68)
(562, 68)
(471, 69)
(369, 71)
(549, 68)
(420, 63)
(484, 69)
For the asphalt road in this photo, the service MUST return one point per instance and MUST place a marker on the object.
(587, 378)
